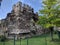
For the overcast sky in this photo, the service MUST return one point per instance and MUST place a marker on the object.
(6, 6)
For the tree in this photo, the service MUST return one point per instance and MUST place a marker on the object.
(50, 15)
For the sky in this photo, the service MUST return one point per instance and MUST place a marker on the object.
(6, 6)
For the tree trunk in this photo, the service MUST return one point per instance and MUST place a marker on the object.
(51, 32)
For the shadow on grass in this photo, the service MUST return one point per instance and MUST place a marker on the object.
(56, 40)
(41, 36)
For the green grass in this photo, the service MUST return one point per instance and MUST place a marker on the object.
(38, 40)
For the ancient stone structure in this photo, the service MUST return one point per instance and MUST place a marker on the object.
(20, 21)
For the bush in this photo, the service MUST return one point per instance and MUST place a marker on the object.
(59, 34)
(2, 38)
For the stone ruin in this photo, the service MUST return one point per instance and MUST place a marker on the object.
(20, 21)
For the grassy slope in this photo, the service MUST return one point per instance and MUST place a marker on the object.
(40, 40)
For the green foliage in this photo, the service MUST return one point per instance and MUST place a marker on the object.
(2, 38)
(42, 20)
(50, 14)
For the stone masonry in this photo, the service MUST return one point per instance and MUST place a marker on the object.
(20, 21)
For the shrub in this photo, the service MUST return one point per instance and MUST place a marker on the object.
(2, 38)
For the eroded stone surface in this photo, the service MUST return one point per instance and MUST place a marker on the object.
(21, 20)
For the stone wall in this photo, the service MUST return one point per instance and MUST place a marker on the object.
(21, 20)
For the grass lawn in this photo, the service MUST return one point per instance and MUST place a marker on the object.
(38, 40)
